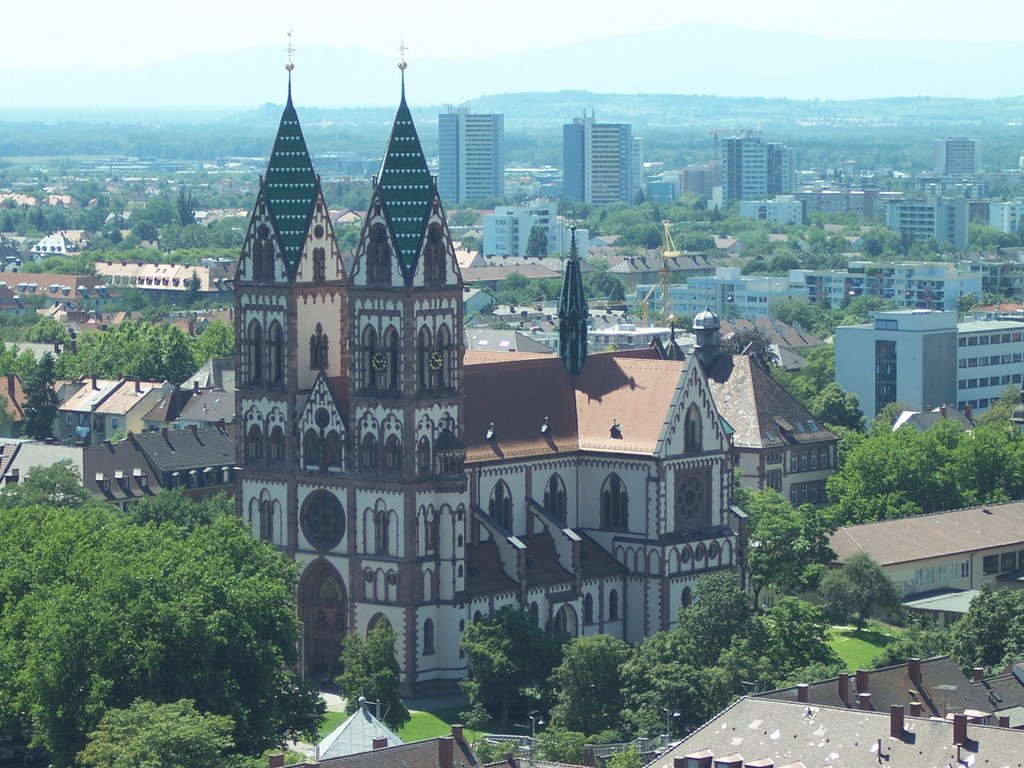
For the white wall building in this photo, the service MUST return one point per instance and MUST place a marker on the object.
(908, 285)
(925, 359)
(471, 155)
(507, 230)
(784, 209)
(1006, 216)
(728, 292)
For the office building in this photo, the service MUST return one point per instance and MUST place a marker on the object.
(753, 169)
(471, 155)
(784, 209)
(923, 358)
(598, 161)
(957, 156)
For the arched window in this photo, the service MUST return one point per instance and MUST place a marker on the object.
(378, 256)
(500, 506)
(254, 444)
(277, 444)
(254, 337)
(442, 363)
(428, 638)
(275, 344)
(266, 520)
(381, 531)
(374, 361)
(423, 464)
(434, 256)
(368, 453)
(312, 449)
(332, 449)
(318, 348)
(693, 430)
(687, 597)
(423, 358)
(613, 606)
(614, 504)
(535, 613)
(431, 531)
(319, 265)
(588, 609)
(554, 499)
(262, 255)
(392, 454)
(391, 351)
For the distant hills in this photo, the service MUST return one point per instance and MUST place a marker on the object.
(687, 59)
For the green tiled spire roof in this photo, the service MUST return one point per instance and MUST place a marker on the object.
(405, 185)
(573, 314)
(290, 184)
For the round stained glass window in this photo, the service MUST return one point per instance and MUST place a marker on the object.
(323, 520)
(691, 497)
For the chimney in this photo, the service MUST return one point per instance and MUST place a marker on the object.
(131, 437)
(1004, 721)
(700, 759)
(844, 687)
(978, 673)
(915, 709)
(730, 761)
(863, 681)
(379, 742)
(94, 383)
(969, 412)
(10, 386)
(275, 761)
(914, 670)
(896, 721)
(195, 387)
(457, 733)
(138, 384)
(864, 700)
(801, 693)
(446, 752)
(959, 729)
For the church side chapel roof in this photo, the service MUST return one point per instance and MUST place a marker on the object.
(405, 185)
(484, 574)
(762, 413)
(290, 184)
(517, 395)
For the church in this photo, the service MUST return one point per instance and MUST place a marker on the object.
(426, 486)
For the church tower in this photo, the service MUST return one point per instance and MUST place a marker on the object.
(290, 327)
(573, 314)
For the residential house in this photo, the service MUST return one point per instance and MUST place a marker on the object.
(172, 282)
(101, 408)
(765, 732)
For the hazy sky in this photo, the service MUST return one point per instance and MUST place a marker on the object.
(128, 33)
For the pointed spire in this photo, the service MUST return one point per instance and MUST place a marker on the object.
(573, 314)
(404, 184)
(290, 181)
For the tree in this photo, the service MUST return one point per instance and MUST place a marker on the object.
(992, 630)
(916, 642)
(626, 758)
(751, 342)
(41, 404)
(57, 485)
(185, 208)
(559, 745)
(150, 735)
(720, 611)
(788, 548)
(192, 292)
(508, 654)
(588, 688)
(370, 669)
(99, 611)
(46, 331)
(537, 244)
(792, 635)
(858, 589)
(174, 507)
(837, 408)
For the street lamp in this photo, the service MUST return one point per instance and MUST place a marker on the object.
(669, 714)
(535, 720)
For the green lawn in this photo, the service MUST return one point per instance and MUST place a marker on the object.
(858, 647)
(424, 725)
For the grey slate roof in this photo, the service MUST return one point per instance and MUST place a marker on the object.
(173, 450)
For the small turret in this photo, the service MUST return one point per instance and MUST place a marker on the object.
(573, 314)
(706, 328)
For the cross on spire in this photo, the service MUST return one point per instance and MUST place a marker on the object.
(289, 51)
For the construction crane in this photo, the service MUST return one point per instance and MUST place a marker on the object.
(668, 251)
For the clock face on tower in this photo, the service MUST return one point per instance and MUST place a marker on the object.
(435, 361)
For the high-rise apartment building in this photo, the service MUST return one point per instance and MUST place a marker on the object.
(753, 169)
(471, 155)
(957, 155)
(598, 161)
